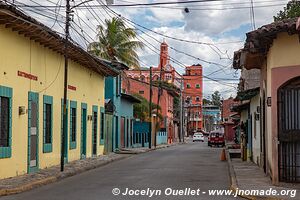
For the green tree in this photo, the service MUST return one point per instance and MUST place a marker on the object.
(176, 107)
(216, 98)
(291, 10)
(117, 43)
(141, 110)
(206, 101)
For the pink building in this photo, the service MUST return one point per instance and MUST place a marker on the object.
(164, 69)
(137, 82)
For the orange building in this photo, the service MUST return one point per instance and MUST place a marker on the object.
(193, 95)
(137, 82)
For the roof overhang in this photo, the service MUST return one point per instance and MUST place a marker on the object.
(247, 94)
(243, 106)
(130, 98)
(27, 26)
(258, 42)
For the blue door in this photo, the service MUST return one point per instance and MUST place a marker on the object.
(66, 130)
(83, 131)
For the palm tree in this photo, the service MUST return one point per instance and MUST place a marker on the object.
(117, 43)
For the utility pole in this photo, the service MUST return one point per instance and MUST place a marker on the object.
(181, 135)
(150, 112)
(158, 98)
(67, 34)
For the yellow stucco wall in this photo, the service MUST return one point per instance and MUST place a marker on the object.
(20, 53)
(285, 51)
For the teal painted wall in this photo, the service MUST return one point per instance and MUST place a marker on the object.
(115, 96)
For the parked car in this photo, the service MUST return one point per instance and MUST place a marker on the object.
(198, 137)
(216, 138)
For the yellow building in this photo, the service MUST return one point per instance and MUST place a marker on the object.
(31, 92)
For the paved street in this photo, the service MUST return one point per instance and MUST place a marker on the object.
(192, 165)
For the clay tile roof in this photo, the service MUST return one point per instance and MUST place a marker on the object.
(261, 39)
(27, 26)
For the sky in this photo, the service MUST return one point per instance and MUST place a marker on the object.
(216, 28)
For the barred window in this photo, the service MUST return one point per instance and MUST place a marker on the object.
(102, 127)
(74, 120)
(4, 122)
(48, 122)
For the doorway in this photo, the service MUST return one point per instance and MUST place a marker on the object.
(33, 132)
(289, 131)
(83, 131)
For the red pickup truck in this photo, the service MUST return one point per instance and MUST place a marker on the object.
(216, 138)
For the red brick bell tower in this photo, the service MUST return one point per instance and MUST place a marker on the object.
(164, 55)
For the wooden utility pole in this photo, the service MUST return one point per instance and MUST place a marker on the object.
(150, 112)
(64, 132)
(181, 135)
(157, 105)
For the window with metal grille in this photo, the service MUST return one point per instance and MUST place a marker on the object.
(73, 124)
(48, 123)
(94, 137)
(102, 127)
(4, 122)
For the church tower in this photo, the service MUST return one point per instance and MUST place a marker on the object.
(164, 55)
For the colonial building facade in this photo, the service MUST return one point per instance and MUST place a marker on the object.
(274, 49)
(138, 82)
(31, 92)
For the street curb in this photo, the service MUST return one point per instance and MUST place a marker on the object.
(234, 184)
(60, 176)
(148, 150)
(29, 186)
(52, 179)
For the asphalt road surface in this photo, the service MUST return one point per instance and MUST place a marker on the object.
(192, 166)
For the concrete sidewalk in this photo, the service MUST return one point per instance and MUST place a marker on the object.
(26, 182)
(248, 176)
(143, 149)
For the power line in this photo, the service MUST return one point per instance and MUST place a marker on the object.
(135, 24)
(172, 59)
(179, 63)
(170, 37)
(214, 8)
(252, 15)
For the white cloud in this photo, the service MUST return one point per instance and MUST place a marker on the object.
(213, 22)
(199, 25)
(165, 16)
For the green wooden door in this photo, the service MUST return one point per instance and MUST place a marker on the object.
(66, 130)
(33, 132)
(83, 131)
(94, 130)
(108, 133)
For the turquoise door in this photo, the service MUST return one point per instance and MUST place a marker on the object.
(94, 131)
(83, 131)
(33, 132)
(116, 132)
(66, 130)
